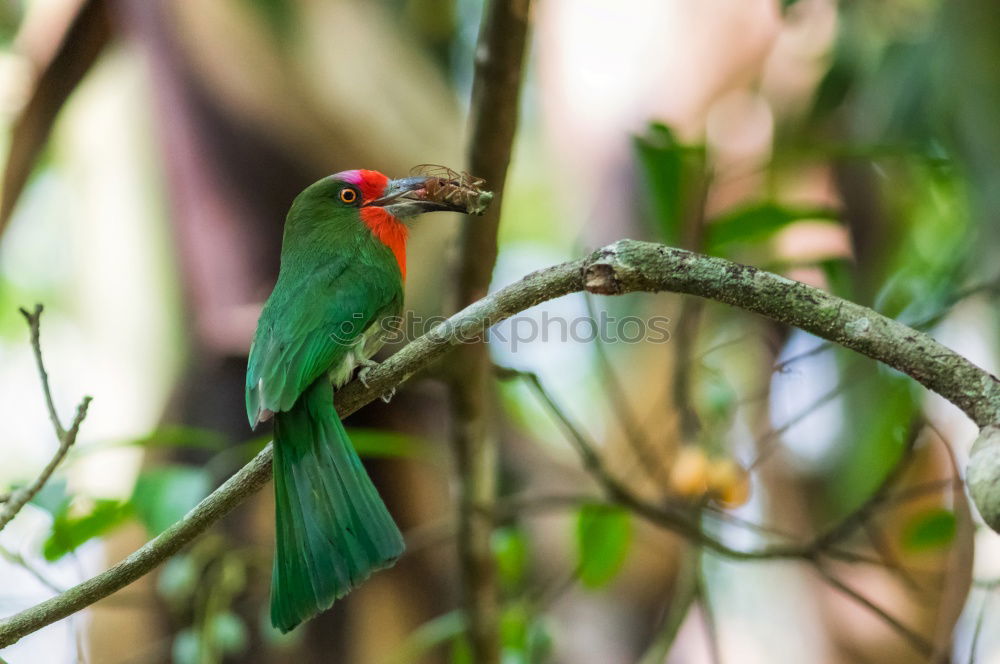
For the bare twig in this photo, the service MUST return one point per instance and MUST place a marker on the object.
(19, 560)
(980, 615)
(682, 598)
(650, 462)
(916, 641)
(708, 616)
(67, 437)
(623, 267)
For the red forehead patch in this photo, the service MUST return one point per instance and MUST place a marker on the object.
(371, 183)
(389, 230)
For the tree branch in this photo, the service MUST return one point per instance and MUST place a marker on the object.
(16, 501)
(626, 266)
(493, 123)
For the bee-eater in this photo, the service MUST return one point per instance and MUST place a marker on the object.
(343, 261)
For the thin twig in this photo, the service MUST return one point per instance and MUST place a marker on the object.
(685, 591)
(916, 641)
(34, 320)
(19, 560)
(768, 443)
(707, 615)
(991, 286)
(974, 646)
(649, 461)
(67, 437)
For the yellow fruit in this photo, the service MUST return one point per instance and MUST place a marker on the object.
(728, 482)
(689, 474)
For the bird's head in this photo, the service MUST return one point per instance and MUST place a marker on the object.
(382, 203)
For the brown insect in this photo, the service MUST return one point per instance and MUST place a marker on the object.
(448, 186)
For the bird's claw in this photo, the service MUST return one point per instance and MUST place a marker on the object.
(366, 368)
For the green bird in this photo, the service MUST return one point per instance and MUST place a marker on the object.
(343, 262)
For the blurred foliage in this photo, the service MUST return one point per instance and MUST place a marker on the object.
(510, 547)
(675, 179)
(163, 495)
(756, 223)
(929, 531)
(71, 527)
(603, 537)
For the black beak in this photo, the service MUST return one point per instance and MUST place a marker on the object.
(408, 197)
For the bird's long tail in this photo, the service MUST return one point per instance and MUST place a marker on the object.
(333, 530)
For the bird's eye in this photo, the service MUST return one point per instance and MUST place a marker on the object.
(348, 196)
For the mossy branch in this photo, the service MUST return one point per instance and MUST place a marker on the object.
(624, 267)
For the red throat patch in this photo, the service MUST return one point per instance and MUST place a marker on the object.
(388, 229)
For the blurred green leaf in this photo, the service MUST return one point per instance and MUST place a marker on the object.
(461, 650)
(755, 223)
(52, 497)
(514, 622)
(278, 15)
(186, 649)
(930, 530)
(872, 438)
(510, 548)
(178, 579)
(382, 443)
(163, 496)
(674, 175)
(183, 437)
(539, 645)
(603, 537)
(431, 634)
(228, 633)
(69, 531)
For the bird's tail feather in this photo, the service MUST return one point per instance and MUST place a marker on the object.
(333, 530)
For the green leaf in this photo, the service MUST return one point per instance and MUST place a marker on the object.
(163, 496)
(757, 222)
(674, 175)
(183, 437)
(514, 623)
(929, 531)
(178, 579)
(186, 648)
(428, 636)
(52, 497)
(510, 547)
(461, 650)
(603, 537)
(381, 443)
(71, 531)
(228, 632)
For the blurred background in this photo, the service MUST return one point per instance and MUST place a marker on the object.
(152, 148)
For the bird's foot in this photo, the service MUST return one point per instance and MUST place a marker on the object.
(366, 368)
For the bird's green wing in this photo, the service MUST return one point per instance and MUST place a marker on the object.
(307, 327)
